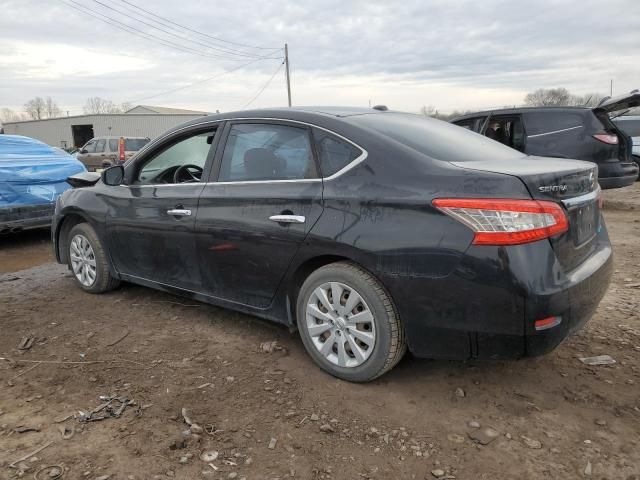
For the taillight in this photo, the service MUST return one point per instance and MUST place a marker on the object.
(506, 222)
(608, 138)
(121, 149)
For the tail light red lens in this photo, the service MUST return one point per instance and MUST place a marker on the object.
(121, 149)
(504, 221)
(608, 138)
(547, 323)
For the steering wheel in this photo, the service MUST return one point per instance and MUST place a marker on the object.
(187, 173)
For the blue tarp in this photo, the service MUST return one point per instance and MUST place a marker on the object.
(32, 172)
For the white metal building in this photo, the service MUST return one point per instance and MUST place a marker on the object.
(67, 132)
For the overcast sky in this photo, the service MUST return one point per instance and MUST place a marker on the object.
(405, 54)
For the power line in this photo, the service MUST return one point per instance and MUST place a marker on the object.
(196, 31)
(264, 87)
(127, 28)
(195, 83)
(183, 38)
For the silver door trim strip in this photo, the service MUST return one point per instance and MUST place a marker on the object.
(356, 161)
(555, 131)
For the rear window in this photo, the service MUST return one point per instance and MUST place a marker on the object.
(134, 144)
(334, 153)
(435, 138)
(546, 122)
(630, 127)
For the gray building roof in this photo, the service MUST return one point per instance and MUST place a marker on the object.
(164, 110)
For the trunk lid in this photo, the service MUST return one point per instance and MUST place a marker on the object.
(621, 102)
(570, 183)
(609, 105)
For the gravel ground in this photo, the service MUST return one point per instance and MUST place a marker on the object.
(269, 413)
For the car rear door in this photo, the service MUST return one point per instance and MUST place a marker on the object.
(252, 220)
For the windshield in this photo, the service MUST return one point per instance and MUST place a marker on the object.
(135, 144)
(435, 138)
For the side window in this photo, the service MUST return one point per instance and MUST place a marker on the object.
(267, 152)
(113, 144)
(334, 154)
(192, 150)
(90, 147)
(100, 145)
(547, 122)
(468, 123)
(507, 130)
(474, 124)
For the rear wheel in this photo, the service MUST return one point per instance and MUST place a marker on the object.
(88, 260)
(348, 323)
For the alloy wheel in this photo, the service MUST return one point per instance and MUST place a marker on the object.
(340, 324)
(83, 260)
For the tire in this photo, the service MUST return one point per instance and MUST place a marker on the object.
(381, 329)
(94, 255)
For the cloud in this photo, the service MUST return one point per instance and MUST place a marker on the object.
(453, 55)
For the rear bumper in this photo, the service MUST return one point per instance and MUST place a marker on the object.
(617, 175)
(575, 302)
(488, 306)
(26, 216)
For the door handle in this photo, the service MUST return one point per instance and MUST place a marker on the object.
(287, 218)
(179, 212)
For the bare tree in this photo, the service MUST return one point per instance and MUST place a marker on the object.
(548, 97)
(428, 111)
(97, 105)
(561, 97)
(36, 108)
(52, 109)
(8, 115)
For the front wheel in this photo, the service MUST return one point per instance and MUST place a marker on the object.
(88, 260)
(348, 323)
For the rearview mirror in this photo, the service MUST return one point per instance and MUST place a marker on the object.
(113, 176)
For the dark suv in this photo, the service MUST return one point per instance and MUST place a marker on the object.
(566, 132)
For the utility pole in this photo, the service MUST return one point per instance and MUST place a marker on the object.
(286, 65)
(611, 88)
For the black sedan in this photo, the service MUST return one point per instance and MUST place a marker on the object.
(369, 231)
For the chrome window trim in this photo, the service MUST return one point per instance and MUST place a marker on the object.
(582, 199)
(355, 162)
(554, 131)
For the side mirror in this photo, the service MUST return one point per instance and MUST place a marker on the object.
(83, 150)
(113, 176)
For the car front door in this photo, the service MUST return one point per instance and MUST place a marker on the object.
(86, 154)
(151, 222)
(252, 220)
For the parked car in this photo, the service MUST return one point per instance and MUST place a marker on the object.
(369, 231)
(103, 152)
(630, 124)
(565, 132)
(32, 176)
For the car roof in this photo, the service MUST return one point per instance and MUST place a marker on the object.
(516, 110)
(321, 116)
(292, 113)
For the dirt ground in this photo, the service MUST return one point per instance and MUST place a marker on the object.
(275, 415)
